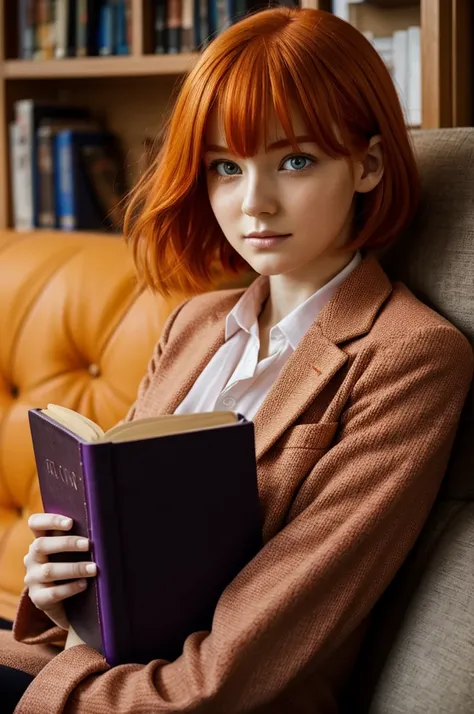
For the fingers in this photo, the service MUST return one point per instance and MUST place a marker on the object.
(46, 573)
(39, 523)
(45, 545)
(45, 598)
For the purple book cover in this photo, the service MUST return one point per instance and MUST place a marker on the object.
(172, 520)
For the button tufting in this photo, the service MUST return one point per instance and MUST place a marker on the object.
(14, 391)
(94, 370)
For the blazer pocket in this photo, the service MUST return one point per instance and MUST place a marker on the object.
(309, 436)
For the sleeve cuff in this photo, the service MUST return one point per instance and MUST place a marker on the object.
(33, 627)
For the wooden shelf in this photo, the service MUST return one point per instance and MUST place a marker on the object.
(126, 66)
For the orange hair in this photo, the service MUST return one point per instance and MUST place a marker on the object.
(259, 65)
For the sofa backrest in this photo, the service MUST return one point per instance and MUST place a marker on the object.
(418, 656)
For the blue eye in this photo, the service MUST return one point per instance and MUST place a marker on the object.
(298, 163)
(228, 168)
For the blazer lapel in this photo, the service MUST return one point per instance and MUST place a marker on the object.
(350, 314)
(313, 364)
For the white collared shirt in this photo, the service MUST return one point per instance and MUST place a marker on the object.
(234, 380)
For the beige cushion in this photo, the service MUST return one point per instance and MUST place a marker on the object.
(418, 657)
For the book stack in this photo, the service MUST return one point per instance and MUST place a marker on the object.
(189, 25)
(73, 28)
(401, 52)
(66, 169)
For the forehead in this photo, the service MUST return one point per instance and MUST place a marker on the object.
(215, 132)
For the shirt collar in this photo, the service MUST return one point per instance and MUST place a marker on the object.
(244, 315)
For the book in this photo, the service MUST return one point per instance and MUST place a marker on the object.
(174, 26)
(21, 220)
(103, 168)
(170, 506)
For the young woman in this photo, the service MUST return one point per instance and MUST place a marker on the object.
(287, 151)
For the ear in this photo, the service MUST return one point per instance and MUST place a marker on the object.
(369, 171)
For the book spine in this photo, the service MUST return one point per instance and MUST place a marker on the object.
(121, 35)
(212, 18)
(160, 27)
(129, 20)
(106, 547)
(22, 19)
(187, 35)
(231, 11)
(81, 28)
(21, 220)
(62, 9)
(106, 29)
(203, 12)
(40, 8)
(240, 9)
(65, 203)
(24, 112)
(174, 26)
(414, 76)
(223, 20)
(71, 28)
(46, 212)
(50, 30)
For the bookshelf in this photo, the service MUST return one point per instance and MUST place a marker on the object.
(133, 93)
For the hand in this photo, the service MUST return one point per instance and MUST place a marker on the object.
(41, 573)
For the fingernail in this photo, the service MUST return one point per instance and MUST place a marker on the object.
(82, 584)
(82, 543)
(91, 568)
(65, 522)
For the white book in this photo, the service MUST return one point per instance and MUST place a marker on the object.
(414, 76)
(25, 122)
(400, 68)
(21, 217)
(61, 21)
(384, 46)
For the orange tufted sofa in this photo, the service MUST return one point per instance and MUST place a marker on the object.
(74, 330)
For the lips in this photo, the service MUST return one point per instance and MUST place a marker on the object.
(270, 240)
(267, 234)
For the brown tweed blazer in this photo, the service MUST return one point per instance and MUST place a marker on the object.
(352, 444)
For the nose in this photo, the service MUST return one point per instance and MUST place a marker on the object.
(259, 197)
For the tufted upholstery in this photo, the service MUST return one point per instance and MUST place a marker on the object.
(73, 330)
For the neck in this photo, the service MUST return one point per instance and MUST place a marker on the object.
(290, 290)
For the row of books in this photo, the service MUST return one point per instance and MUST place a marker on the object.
(73, 28)
(66, 169)
(402, 55)
(189, 25)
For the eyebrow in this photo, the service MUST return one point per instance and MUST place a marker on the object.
(305, 139)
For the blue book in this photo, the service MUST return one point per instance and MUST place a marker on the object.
(121, 34)
(106, 28)
(212, 18)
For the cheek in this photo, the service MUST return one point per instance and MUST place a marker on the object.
(224, 203)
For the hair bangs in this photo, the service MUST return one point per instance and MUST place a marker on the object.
(263, 85)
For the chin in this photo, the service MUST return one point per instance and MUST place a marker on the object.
(268, 268)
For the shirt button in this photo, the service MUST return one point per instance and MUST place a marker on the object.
(228, 402)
